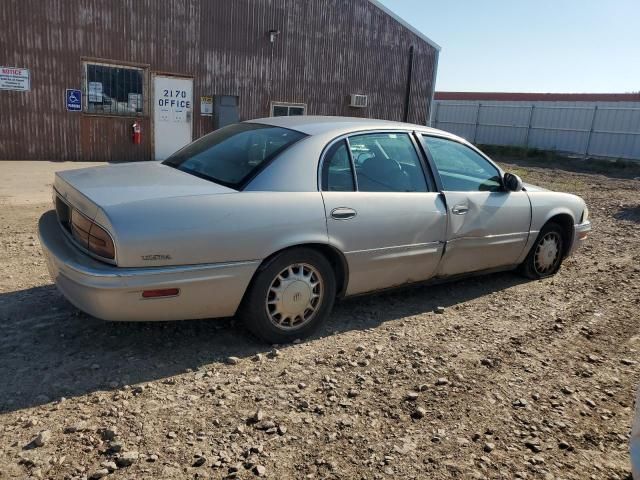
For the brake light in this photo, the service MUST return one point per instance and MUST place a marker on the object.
(91, 236)
(80, 227)
(100, 242)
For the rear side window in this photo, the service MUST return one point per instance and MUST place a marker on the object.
(234, 154)
(337, 175)
(387, 162)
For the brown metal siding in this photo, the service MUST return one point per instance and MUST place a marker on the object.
(327, 50)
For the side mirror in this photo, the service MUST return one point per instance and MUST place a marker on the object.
(512, 182)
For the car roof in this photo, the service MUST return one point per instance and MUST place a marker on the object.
(320, 125)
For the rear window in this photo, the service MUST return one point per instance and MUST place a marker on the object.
(234, 154)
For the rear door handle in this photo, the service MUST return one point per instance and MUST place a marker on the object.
(460, 209)
(343, 213)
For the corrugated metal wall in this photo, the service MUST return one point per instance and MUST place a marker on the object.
(603, 129)
(327, 50)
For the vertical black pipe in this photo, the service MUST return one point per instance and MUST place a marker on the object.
(407, 97)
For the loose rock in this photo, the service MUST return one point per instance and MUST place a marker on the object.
(127, 459)
(232, 360)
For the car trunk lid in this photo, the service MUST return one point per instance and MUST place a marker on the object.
(105, 186)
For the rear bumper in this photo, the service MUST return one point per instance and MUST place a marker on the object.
(580, 233)
(112, 293)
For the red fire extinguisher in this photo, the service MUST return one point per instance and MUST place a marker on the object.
(136, 133)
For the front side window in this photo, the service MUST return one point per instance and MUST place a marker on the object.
(337, 175)
(460, 168)
(114, 90)
(387, 162)
(233, 154)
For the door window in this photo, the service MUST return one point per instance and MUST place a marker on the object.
(460, 168)
(337, 175)
(387, 162)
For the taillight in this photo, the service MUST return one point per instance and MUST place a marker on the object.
(80, 227)
(91, 236)
(100, 242)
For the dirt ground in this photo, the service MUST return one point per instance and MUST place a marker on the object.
(516, 379)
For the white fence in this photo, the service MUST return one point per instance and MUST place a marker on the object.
(598, 129)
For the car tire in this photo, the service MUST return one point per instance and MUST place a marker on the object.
(546, 254)
(290, 296)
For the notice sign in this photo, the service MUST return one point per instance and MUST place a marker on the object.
(95, 92)
(206, 105)
(74, 100)
(135, 102)
(12, 78)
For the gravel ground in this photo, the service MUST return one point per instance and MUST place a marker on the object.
(515, 379)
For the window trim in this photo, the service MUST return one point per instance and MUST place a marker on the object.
(116, 64)
(425, 166)
(432, 163)
(288, 105)
(325, 168)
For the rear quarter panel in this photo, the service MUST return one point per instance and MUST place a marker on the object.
(214, 228)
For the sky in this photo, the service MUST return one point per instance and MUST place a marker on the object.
(564, 46)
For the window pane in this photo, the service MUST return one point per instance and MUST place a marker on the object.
(460, 168)
(279, 111)
(232, 154)
(387, 162)
(114, 90)
(284, 110)
(337, 175)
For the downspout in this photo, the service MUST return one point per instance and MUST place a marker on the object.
(407, 97)
(433, 91)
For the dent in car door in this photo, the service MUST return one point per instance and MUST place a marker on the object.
(485, 230)
(388, 238)
(488, 227)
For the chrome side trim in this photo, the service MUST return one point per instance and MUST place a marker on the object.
(415, 246)
(144, 271)
(498, 237)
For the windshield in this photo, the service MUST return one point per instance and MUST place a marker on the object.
(233, 154)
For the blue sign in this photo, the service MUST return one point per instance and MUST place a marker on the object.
(74, 100)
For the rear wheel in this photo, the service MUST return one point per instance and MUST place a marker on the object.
(547, 253)
(290, 296)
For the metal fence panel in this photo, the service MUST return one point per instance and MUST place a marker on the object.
(605, 129)
(502, 125)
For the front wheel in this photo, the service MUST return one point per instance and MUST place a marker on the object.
(546, 255)
(290, 296)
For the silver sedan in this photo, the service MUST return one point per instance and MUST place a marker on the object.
(273, 219)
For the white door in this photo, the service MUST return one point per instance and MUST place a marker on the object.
(172, 114)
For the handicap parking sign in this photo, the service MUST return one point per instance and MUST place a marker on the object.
(74, 100)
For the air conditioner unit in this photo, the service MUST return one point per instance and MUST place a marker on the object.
(359, 101)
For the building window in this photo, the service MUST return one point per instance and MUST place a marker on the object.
(114, 89)
(287, 109)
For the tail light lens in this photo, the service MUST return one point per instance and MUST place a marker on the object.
(91, 236)
(80, 227)
(100, 242)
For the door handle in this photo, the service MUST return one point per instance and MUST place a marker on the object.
(460, 209)
(343, 213)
